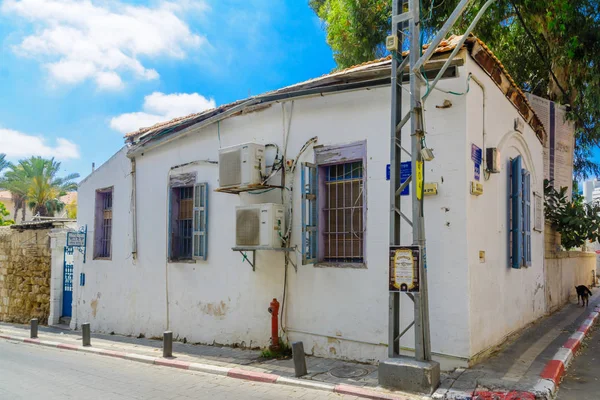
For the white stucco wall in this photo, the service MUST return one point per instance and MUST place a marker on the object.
(108, 301)
(337, 312)
(502, 299)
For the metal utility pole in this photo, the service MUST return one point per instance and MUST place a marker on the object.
(407, 12)
(420, 374)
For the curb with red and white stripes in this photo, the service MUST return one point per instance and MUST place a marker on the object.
(555, 368)
(237, 373)
(550, 377)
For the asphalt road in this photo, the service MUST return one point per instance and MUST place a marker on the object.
(582, 380)
(33, 372)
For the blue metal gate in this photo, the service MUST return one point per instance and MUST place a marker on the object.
(68, 282)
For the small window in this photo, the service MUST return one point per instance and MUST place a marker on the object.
(103, 224)
(519, 215)
(181, 233)
(188, 222)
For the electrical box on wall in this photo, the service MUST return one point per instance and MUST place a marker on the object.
(391, 43)
(259, 226)
(476, 188)
(492, 158)
(430, 189)
(242, 165)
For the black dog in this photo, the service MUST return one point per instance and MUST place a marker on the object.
(583, 293)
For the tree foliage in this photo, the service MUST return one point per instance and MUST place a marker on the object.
(576, 221)
(3, 214)
(72, 209)
(3, 163)
(34, 182)
(550, 47)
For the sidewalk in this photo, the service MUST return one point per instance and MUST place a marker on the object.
(529, 367)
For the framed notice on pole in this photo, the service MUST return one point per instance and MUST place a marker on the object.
(404, 268)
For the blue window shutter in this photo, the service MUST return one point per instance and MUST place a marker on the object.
(200, 222)
(527, 217)
(310, 216)
(516, 213)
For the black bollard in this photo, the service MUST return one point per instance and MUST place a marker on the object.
(299, 359)
(168, 344)
(34, 328)
(86, 334)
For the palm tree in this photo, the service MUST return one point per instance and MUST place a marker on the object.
(16, 182)
(3, 162)
(34, 181)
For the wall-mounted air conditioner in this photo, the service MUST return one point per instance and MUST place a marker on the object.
(241, 165)
(259, 225)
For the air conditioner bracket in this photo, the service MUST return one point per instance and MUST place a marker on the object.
(245, 250)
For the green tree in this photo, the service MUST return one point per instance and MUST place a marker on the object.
(576, 221)
(35, 182)
(3, 163)
(550, 47)
(4, 213)
(72, 209)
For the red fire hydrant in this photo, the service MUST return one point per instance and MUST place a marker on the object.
(274, 310)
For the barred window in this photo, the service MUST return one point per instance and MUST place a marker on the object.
(103, 223)
(181, 238)
(334, 206)
(188, 233)
(343, 213)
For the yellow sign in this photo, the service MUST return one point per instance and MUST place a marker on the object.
(476, 188)
(431, 189)
(419, 179)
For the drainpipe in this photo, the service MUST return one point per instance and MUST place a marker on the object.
(486, 173)
(133, 209)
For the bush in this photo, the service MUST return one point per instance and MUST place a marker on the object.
(576, 221)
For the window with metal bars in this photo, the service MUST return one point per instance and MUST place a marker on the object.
(188, 222)
(342, 206)
(182, 235)
(334, 206)
(103, 223)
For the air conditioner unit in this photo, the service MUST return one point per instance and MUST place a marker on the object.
(259, 225)
(241, 165)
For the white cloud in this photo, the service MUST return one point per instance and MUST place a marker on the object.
(16, 144)
(160, 107)
(79, 40)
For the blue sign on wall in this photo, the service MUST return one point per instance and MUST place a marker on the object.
(477, 171)
(405, 171)
(476, 154)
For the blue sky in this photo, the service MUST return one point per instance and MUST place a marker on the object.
(76, 75)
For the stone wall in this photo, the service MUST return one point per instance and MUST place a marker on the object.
(564, 270)
(24, 275)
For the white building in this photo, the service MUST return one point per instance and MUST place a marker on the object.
(141, 275)
(591, 191)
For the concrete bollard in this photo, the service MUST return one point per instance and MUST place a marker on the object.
(86, 334)
(34, 328)
(299, 359)
(168, 344)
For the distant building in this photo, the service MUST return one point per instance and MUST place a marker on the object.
(591, 191)
(7, 199)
